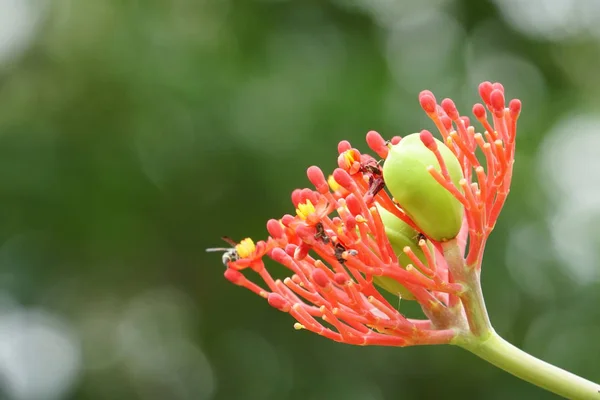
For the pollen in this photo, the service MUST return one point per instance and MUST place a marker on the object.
(305, 209)
(245, 248)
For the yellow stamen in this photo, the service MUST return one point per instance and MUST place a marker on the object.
(305, 209)
(332, 183)
(349, 157)
(245, 248)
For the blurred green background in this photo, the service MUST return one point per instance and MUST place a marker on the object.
(133, 134)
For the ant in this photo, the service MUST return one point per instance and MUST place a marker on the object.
(230, 254)
(371, 167)
(339, 250)
(321, 233)
(376, 183)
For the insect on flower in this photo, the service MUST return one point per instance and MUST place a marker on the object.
(353, 236)
(402, 228)
(373, 171)
(321, 234)
(230, 254)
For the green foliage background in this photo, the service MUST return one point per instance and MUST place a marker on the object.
(133, 134)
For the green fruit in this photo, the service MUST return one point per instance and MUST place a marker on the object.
(436, 212)
(400, 235)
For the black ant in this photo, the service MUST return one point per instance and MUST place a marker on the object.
(321, 233)
(339, 250)
(230, 254)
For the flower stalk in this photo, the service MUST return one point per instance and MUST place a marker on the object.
(515, 361)
(369, 231)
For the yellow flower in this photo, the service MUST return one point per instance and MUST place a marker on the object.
(245, 248)
(305, 209)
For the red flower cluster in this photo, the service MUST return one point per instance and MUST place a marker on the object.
(336, 242)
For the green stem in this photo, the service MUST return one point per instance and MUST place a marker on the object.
(483, 341)
(472, 297)
(515, 361)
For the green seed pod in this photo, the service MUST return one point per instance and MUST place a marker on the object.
(400, 235)
(434, 210)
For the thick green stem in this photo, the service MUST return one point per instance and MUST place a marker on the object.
(515, 361)
(472, 297)
(483, 341)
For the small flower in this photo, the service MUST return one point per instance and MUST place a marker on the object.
(349, 234)
(246, 248)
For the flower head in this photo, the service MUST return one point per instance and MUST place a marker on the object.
(349, 237)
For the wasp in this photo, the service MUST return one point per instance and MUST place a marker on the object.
(230, 254)
(321, 233)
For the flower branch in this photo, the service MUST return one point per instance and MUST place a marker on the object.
(401, 224)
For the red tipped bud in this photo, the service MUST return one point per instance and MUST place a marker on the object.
(296, 197)
(377, 144)
(446, 122)
(497, 103)
(307, 194)
(498, 86)
(320, 277)
(450, 109)
(428, 140)
(275, 229)
(343, 146)
(290, 249)
(316, 177)
(427, 101)
(287, 219)
(485, 89)
(279, 255)
(479, 111)
(343, 179)
(234, 276)
(340, 278)
(353, 205)
(515, 108)
(277, 301)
